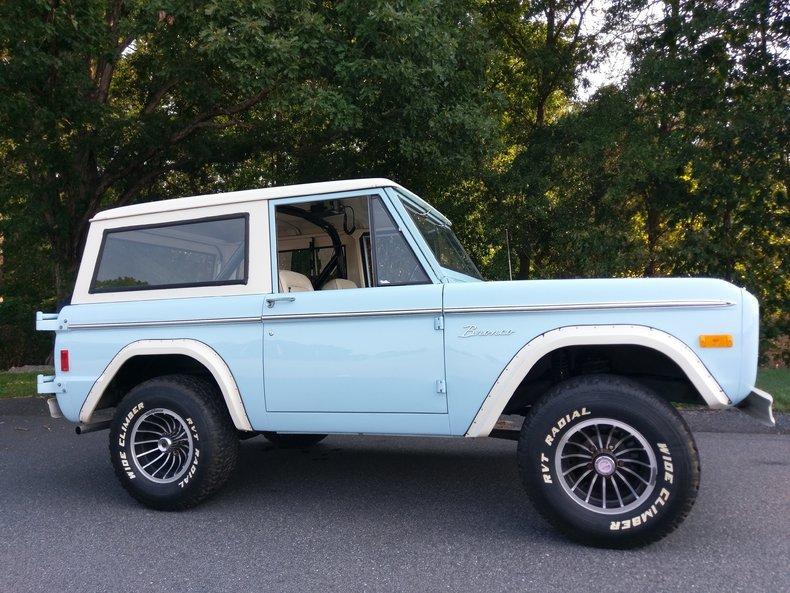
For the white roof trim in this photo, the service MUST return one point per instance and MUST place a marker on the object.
(269, 193)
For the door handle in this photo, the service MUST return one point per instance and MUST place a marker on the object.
(270, 301)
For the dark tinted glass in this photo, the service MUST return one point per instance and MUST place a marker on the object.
(443, 243)
(175, 255)
(395, 261)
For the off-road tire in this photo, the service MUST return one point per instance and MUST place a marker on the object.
(214, 440)
(293, 441)
(576, 408)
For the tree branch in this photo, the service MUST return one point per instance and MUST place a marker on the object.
(102, 75)
(582, 12)
(147, 179)
(157, 95)
(203, 120)
(198, 122)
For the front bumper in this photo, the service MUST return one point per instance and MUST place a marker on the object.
(758, 404)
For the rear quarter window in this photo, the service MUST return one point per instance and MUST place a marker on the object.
(205, 252)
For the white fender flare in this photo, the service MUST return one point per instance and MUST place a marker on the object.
(593, 335)
(199, 351)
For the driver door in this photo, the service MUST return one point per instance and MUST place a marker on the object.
(372, 350)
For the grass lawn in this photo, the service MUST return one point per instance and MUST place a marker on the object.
(774, 381)
(777, 383)
(17, 384)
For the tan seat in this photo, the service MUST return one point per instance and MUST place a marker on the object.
(338, 284)
(294, 282)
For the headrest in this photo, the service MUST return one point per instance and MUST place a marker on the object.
(294, 282)
(338, 284)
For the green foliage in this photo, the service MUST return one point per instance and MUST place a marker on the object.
(107, 103)
(680, 170)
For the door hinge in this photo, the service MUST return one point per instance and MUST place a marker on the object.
(441, 386)
(438, 322)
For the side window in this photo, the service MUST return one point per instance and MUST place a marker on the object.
(394, 261)
(308, 261)
(203, 252)
(336, 244)
(312, 241)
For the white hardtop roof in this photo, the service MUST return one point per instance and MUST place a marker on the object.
(250, 195)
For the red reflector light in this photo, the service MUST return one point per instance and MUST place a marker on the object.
(64, 361)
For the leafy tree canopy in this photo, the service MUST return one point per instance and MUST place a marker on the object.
(679, 169)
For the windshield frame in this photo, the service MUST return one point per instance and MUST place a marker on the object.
(415, 211)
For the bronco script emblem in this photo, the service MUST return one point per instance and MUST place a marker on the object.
(472, 331)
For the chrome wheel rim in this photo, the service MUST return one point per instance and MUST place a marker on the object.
(162, 445)
(606, 466)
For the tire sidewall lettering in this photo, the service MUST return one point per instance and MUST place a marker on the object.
(665, 478)
(122, 439)
(563, 422)
(646, 514)
(127, 422)
(183, 482)
(545, 460)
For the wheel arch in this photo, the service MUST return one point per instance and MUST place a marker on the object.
(537, 349)
(190, 354)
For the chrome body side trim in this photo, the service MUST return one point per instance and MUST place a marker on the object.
(592, 306)
(340, 314)
(163, 322)
(394, 312)
(230, 320)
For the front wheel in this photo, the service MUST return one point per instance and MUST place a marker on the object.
(172, 442)
(608, 462)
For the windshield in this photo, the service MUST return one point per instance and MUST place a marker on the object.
(443, 242)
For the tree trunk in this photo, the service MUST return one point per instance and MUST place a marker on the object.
(727, 244)
(524, 263)
(652, 229)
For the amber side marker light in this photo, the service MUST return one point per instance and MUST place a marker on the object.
(715, 341)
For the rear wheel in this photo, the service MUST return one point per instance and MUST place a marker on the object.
(608, 462)
(293, 441)
(172, 442)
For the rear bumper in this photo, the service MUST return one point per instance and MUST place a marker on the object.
(47, 322)
(758, 404)
(48, 385)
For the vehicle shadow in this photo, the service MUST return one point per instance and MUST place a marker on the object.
(461, 485)
(419, 487)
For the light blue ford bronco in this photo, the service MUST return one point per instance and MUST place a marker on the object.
(351, 308)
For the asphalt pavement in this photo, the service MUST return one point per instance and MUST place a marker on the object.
(369, 514)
